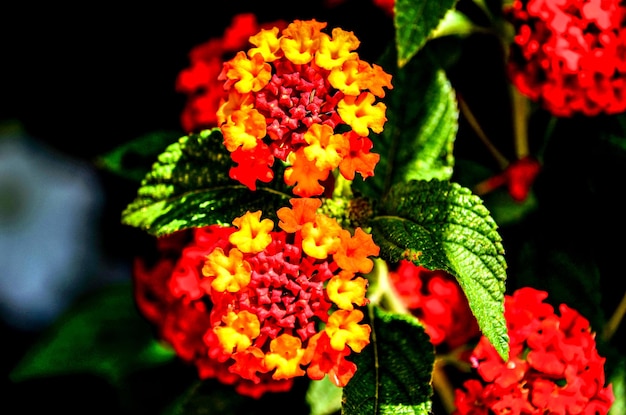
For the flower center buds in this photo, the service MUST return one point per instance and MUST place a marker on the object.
(286, 301)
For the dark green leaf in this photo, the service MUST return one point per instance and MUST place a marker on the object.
(189, 186)
(133, 159)
(102, 335)
(394, 370)
(414, 22)
(441, 225)
(417, 142)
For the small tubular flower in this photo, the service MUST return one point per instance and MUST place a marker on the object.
(253, 234)
(553, 364)
(318, 90)
(250, 306)
(227, 273)
(239, 330)
(568, 55)
(343, 329)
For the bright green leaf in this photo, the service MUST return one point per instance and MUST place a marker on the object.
(414, 22)
(394, 371)
(189, 186)
(324, 397)
(441, 225)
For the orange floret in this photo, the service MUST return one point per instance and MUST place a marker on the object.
(228, 273)
(239, 331)
(343, 329)
(300, 40)
(334, 51)
(354, 251)
(325, 149)
(345, 292)
(285, 356)
(304, 175)
(244, 128)
(267, 44)
(320, 238)
(253, 235)
(302, 211)
(246, 74)
(361, 113)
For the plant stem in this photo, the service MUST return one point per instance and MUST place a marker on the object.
(615, 320)
(443, 387)
(471, 119)
(520, 108)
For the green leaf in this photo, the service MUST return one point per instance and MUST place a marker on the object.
(441, 225)
(394, 370)
(133, 159)
(414, 21)
(189, 187)
(422, 123)
(324, 397)
(101, 335)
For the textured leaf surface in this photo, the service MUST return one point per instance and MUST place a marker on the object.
(414, 22)
(441, 225)
(422, 123)
(189, 186)
(394, 370)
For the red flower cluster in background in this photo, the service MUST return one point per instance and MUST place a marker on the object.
(570, 55)
(553, 364)
(199, 81)
(437, 300)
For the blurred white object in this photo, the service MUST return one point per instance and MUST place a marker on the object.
(49, 210)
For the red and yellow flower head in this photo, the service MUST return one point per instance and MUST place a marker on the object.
(256, 306)
(302, 96)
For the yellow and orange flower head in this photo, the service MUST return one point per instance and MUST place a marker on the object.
(306, 98)
(285, 302)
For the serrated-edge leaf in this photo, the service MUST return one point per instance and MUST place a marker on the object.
(421, 128)
(189, 186)
(414, 21)
(442, 225)
(394, 371)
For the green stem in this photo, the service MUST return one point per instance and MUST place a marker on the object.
(615, 320)
(520, 107)
(443, 387)
(383, 293)
(473, 122)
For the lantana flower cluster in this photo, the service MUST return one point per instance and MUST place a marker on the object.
(258, 307)
(437, 300)
(306, 98)
(570, 55)
(553, 366)
(199, 83)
